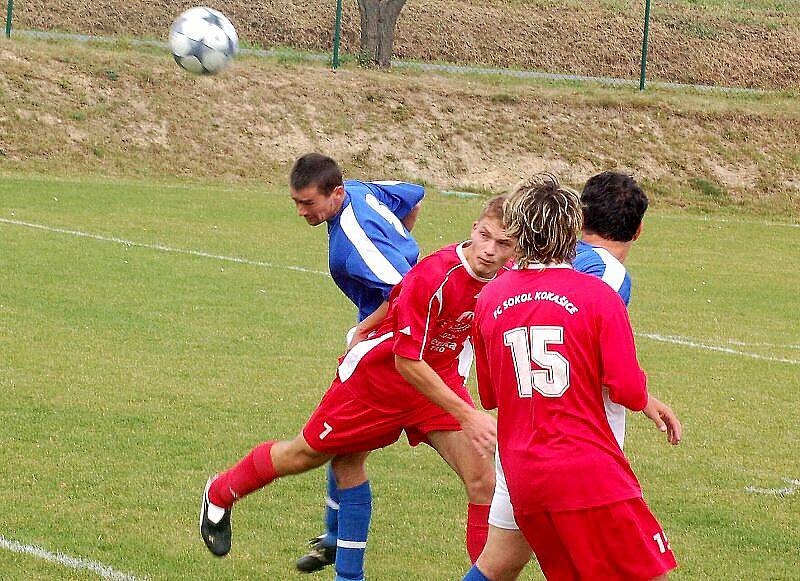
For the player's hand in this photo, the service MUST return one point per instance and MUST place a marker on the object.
(664, 419)
(358, 336)
(481, 429)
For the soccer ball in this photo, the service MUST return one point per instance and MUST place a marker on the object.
(203, 41)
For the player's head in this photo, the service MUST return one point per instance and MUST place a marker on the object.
(490, 247)
(613, 206)
(545, 219)
(316, 186)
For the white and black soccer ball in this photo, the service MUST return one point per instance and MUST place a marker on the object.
(203, 41)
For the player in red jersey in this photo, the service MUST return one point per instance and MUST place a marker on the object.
(547, 341)
(404, 377)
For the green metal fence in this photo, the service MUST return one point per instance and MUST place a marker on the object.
(9, 14)
(348, 36)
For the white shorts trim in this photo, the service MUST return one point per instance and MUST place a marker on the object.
(501, 513)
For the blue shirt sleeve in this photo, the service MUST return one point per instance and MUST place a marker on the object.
(590, 262)
(399, 197)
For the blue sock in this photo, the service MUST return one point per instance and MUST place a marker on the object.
(354, 515)
(475, 574)
(331, 510)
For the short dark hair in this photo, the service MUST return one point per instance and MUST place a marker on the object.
(613, 206)
(315, 169)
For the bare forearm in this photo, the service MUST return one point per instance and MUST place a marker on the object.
(425, 380)
(411, 217)
(376, 318)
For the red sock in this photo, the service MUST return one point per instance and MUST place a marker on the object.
(254, 471)
(477, 529)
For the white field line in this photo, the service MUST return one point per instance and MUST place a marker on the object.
(77, 563)
(745, 344)
(688, 342)
(713, 219)
(160, 247)
(794, 484)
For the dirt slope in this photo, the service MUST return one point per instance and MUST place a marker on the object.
(598, 37)
(75, 109)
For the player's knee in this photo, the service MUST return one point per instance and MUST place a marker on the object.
(480, 486)
(296, 456)
(349, 470)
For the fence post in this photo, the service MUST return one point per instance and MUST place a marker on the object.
(337, 33)
(9, 12)
(644, 44)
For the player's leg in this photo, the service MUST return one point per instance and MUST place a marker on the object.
(477, 473)
(323, 547)
(265, 463)
(355, 512)
(503, 558)
(506, 552)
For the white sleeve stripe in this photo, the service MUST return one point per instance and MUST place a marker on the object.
(614, 274)
(375, 261)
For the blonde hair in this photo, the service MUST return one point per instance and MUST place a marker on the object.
(545, 218)
(493, 208)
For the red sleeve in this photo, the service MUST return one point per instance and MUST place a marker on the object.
(417, 308)
(625, 380)
(485, 387)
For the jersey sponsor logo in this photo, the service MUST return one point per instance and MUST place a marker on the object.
(452, 333)
(519, 299)
(439, 346)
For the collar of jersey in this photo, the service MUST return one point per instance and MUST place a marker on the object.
(540, 266)
(463, 259)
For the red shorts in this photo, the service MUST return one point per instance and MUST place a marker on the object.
(343, 424)
(616, 541)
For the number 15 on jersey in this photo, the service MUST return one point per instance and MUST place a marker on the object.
(531, 345)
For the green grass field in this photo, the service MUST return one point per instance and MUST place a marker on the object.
(131, 373)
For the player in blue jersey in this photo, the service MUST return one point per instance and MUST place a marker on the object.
(613, 209)
(370, 249)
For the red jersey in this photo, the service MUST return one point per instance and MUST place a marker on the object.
(547, 340)
(429, 318)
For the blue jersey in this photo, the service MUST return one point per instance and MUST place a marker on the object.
(602, 264)
(369, 248)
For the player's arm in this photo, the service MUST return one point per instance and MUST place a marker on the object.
(402, 198)
(369, 324)
(479, 427)
(622, 375)
(664, 418)
(485, 389)
(411, 218)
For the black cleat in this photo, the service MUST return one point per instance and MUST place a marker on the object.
(215, 524)
(319, 557)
